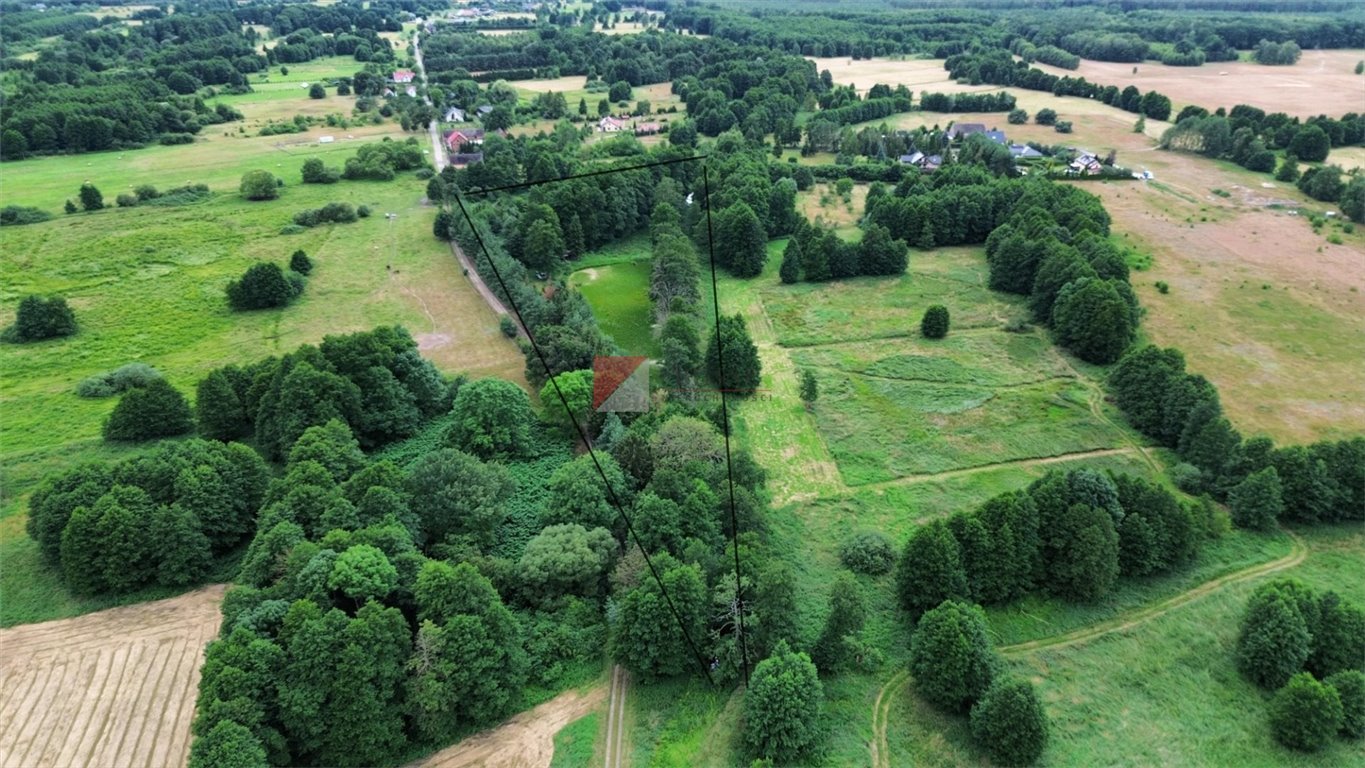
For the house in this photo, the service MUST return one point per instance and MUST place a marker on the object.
(963, 130)
(456, 139)
(646, 129)
(389, 93)
(326, 139)
(454, 115)
(411, 91)
(403, 75)
(1024, 152)
(485, 109)
(610, 124)
(931, 163)
(997, 136)
(1085, 164)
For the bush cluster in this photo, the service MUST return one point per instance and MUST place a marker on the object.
(119, 380)
(331, 213)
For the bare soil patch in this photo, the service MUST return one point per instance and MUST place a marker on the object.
(1323, 82)
(113, 688)
(524, 741)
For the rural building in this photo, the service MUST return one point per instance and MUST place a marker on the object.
(411, 91)
(485, 109)
(456, 139)
(403, 75)
(1085, 164)
(914, 158)
(610, 124)
(647, 129)
(1024, 152)
(997, 136)
(454, 115)
(963, 130)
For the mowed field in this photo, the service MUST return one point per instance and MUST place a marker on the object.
(1322, 82)
(114, 688)
(1268, 309)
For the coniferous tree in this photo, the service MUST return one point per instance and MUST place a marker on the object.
(930, 569)
(41, 318)
(845, 620)
(1274, 641)
(950, 656)
(1257, 501)
(791, 262)
(934, 324)
(91, 199)
(742, 368)
(1010, 722)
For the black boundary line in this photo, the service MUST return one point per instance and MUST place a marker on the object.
(582, 433)
(725, 420)
(603, 172)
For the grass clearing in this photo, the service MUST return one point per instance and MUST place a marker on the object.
(619, 296)
(1169, 692)
(574, 742)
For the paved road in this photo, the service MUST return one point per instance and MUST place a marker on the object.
(438, 156)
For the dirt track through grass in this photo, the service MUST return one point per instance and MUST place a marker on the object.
(881, 708)
(114, 688)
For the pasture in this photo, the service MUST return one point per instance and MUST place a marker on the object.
(619, 296)
(1301, 90)
(1285, 355)
(1172, 693)
(110, 688)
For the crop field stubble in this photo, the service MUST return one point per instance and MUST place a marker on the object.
(109, 688)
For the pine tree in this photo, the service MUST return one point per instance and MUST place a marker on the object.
(218, 408)
(930, 569)
(934, 324)
(791, 262)
(846, 614)
(950, 656)
(782, 706)
(743, 370)
(91, 199)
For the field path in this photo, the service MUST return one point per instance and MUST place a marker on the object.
(524, 741)
(113, 688)
(616, 712)
(1142, 615)
(881, 709)
(933, 477)
(438, 156)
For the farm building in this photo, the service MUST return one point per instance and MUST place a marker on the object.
(454, 115)
(403, 75)
(456, 139)
(647, 129)
(610, 124)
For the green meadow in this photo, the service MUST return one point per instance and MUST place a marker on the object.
(615, 282)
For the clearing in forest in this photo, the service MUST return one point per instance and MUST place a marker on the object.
(110, 688)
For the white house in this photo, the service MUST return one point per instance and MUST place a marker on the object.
(610, 124)
(454, 115)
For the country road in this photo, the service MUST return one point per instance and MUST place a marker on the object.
(438, 157)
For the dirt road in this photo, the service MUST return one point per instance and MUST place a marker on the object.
(438, 156)
(616, 711)
(113, 688)
(525, 741)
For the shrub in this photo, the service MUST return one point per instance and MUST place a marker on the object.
(316, 91)
(146, 192)
(144, 413)
(126, 200)
(934, 324)
(1305, 714)
(299, 262)
(1162, 287)
(508, 326)
(262, 286)
(259, 185)
(315, 172)
(41, 318)
(1045, 117)
(1010, 723)
(15, 215)
(1017, 117)
(340, 213)
(363, 211)
(91, 199)
(121, 379)
(867, 552)
(1062, 126)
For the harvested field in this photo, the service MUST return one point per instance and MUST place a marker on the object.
(114, 688)
(560, 84)
(916, 74)
(1322, 82)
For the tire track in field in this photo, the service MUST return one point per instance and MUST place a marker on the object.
(881, 708)
(109, 688)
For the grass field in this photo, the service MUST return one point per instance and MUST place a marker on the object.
(147, 285)
(1284, 357)
(615, 281)
(1171, 693)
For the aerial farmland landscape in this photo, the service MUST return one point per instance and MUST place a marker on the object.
(682, 383)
